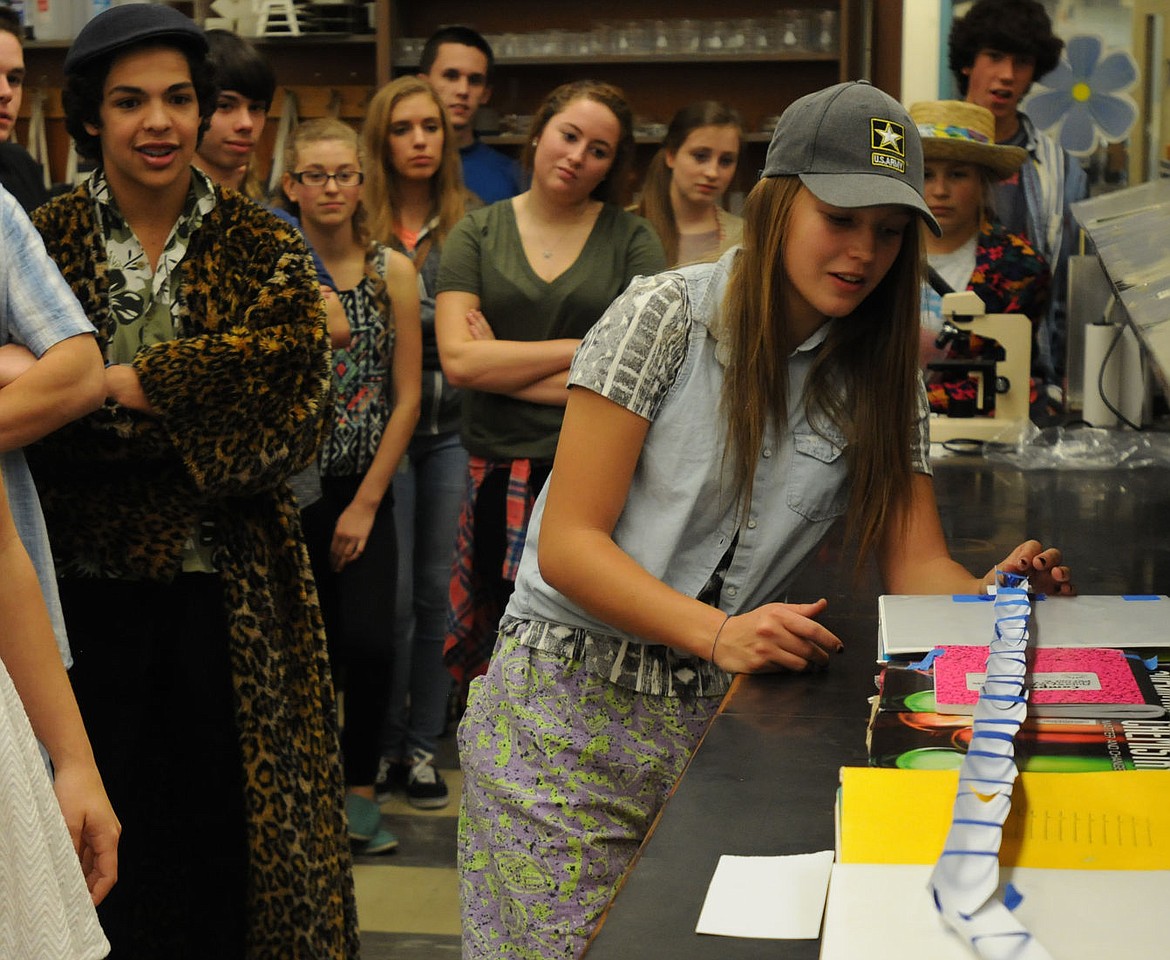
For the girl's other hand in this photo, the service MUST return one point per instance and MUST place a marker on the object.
(351, 534)
(776, 636)
(93, 827)
(1043, 568)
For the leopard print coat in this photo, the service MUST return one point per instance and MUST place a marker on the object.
(240, 400)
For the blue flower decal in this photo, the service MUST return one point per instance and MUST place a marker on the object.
(1084, 94)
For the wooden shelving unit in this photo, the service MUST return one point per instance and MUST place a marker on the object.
(759, 85)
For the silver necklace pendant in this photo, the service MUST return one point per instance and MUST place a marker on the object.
(547, 254)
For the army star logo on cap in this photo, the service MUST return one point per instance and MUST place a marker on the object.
(888, 142)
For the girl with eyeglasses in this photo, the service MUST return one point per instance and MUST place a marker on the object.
(376, 377)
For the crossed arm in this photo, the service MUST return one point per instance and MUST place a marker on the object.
(472, 357)
(40, 395)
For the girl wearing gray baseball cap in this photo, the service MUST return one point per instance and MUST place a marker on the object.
(721, 418)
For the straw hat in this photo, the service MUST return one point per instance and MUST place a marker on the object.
(957, 130)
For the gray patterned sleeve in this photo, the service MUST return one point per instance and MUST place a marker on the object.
(633, 354)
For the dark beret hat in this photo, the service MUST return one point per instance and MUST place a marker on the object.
(133, 23)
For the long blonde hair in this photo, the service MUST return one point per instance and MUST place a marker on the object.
(449, 198)
(864, 379)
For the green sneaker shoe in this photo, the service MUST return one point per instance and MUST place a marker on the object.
(383, 841)
(363, 816)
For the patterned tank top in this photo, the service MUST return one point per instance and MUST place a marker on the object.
(362, 382)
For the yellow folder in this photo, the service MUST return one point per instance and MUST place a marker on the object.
(1088, 821)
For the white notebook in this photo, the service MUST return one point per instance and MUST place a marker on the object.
(916, 624)
(885, 912)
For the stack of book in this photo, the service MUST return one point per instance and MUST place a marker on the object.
(1097, 709)
(1091, 707)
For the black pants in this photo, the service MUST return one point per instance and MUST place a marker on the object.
(152, 677)
(358, 606)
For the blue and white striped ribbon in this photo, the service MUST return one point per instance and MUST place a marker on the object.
(965, 879)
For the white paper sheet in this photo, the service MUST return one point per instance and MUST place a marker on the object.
(775, 898)
(885, 912)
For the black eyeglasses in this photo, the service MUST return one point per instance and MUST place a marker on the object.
(318, 178)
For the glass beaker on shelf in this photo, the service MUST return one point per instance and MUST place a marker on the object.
(737, 34)
(792, 30)
(407, 50)
(715, 36)
(758, 35)
(630, 39)
(660, 38)
(825, 27)
(508, 47)
(687, 36)
(579, 43)
(550, 44)
(600, 40)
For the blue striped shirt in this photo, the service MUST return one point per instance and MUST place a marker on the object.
(37, 310)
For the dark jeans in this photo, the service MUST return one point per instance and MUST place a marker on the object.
(152, 677)
(358, 605)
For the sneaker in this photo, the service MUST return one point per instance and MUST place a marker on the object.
(363, 817)
(425, 788)
(392, 776)
(383, 841)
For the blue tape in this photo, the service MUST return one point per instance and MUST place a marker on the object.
(926, 662)
(1012, 897)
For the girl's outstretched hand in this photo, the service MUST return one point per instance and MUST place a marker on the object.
(776, 636)
(1043, 568)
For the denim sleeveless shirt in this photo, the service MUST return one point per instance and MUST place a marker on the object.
(680, 514)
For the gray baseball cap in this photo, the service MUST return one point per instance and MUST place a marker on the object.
(853, 146)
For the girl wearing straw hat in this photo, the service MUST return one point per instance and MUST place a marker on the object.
(974, 251)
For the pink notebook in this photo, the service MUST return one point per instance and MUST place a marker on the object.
(1062, 681)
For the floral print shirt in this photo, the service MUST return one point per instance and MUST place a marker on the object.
(144, 301)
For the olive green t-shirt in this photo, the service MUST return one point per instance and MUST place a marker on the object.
(483, 255)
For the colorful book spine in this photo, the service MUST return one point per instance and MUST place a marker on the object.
(905, 731)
